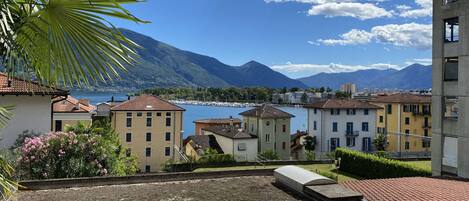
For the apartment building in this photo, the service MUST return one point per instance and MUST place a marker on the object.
(69, 111)
(272, 128)
(342, 123)
(349, 88)
(406, 121)
(450, 141)
(151, 129)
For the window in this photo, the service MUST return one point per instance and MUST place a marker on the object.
(147, 168)
(242, 147)
(148, 152)
(315, 111)
(407, 145)
(446, 2)
(452, 30)
(315, 125)
(149, 114)
(335, 111)
(366, 111)
(129, 114)
(58, 125)
(350, 141)
(168, 121)
(351, 111)
(168, 114)
(284, 128)
(148, 137)
(407, 121)
(451, 69)
(128, 152)
(335, 142)
(427, 109)
(389, 109)
(365, 126)
(334, 127)
(149, 122)
(128, 137)
(284, 145)
(366, 144)
(167, 136)
(407, 132)
(128, 122)
(252, 127)
(381, 119)
(451, 108)
(167, 151)
(267, 123)
(158, 114)
(139, 114)
(407, 108)
(267, 137)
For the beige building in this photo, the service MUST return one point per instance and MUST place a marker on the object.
(69, 111)
(151, 129)
(272, 128)
(32, 102)
(196, 145)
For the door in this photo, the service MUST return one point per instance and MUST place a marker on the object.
(335, 142)
(349, 127)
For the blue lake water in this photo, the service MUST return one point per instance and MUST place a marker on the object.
(194, 112)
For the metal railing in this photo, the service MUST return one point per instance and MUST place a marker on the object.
(352, 133)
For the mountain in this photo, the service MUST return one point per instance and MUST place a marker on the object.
(416, 76)
(162, 65)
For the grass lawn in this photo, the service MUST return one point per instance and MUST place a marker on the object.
(327, 170)
(422, 164)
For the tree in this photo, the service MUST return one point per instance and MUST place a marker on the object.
(310, 143)
(62, 42)
(380, 142)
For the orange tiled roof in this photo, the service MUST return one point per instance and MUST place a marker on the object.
(403, 98)
(218, 121)
(71, 104)
(266, 111)
(412, 188)
(147, 103)
(19, 86)
(342, 104)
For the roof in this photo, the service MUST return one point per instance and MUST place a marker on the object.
(218, 121)
(402, 98)
(17, 86)
(266, 111)
(72, 105)
(411, 188)
(229, 132)
(146, 103)
(203, 142)
(342, 104)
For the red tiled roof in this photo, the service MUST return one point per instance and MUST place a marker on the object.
(412, 188)
(218, 121)
(266, 111)
(72, 105)
(402, 98)
(342, 104)
(146, 103)
(19, 86)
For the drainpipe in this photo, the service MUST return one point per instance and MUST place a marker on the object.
(52, 109)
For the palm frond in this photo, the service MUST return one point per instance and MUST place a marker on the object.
(5, 115)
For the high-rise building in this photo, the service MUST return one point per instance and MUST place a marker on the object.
(450, 139)
(349, 88)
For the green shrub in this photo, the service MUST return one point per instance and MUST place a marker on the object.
(382, 154)
(370, 166)
(269, 155)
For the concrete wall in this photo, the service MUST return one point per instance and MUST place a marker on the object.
(70, 119)
(32, 113)
(158, 131)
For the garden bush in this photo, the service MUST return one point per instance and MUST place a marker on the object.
(373, 167)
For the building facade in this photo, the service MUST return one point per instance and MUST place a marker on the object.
(406, 120)
(450, 139)
(349, 88)
(195, 146)
(272, 128)
(234, 141)
(151, 129)
(224, 122)
(342, 123)
(32, 104)
(69, 111)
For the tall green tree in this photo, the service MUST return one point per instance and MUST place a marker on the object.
(62, 43)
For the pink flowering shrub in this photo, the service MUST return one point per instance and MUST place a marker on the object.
(66, 154)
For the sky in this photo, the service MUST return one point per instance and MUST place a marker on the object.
(298, 38)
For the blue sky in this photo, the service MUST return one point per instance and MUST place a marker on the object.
(295, 37)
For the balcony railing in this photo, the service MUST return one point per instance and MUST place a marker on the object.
(421, 113)
(352, 133)
(426, 125)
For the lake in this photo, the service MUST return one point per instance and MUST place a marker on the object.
(194, 112)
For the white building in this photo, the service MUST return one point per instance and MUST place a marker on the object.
(234, 141)
(342, 123)
(349, 88)
(33, 107)
(69, 111)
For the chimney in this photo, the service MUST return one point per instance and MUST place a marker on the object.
(9, 83)
(85, 102)
(128, 97)
(231, 121)
(112, 98)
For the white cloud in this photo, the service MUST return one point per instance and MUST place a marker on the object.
(304, 70)
(414, 35)
(307, 1)
(425, 9)
(362, 11)
(423, 61)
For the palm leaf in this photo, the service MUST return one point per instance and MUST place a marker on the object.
(5, 115)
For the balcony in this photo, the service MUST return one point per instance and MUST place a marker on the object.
(426, 125)
(421, 113)
(352, 133)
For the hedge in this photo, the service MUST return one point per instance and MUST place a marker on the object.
(370, 166)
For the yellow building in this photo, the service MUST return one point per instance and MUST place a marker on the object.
(151, 130)
(406, 118)
(68, 111)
